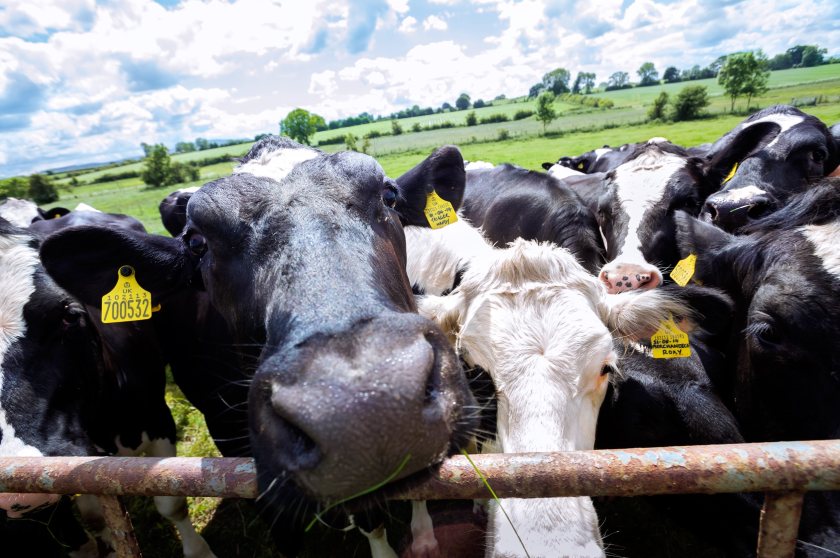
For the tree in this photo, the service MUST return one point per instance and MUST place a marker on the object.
(781, 61)
(557, 81)
(446, 106)
(350, 142)
(545, 108)
(463, 101)
(648, 74)
(587, 81)
(813, 56)
(41, 189)
(156, 169)
(479, 103)
(618, 80)
(744, 73)
(200, 143)
(184, 147)
(180, 173)
(471, 119)
(396, 129)
(300, 124)
(657, 110)
(16, 187)
(146, 149)
(671, 75)
(535, 90)
(690, 102)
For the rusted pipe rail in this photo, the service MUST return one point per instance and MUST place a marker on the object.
(771, 467)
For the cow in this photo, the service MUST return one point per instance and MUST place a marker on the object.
(70, 385)
(550, 336)
(783, 276)
(303, 255)
(173, 210)
(786, 152)
(509, 202)
(22, 212)
(603, 159)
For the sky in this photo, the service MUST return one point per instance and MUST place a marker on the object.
(87, 81)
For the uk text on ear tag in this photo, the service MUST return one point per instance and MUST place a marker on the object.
(731, 174)
(670, 341)
(439, 212)
(127, 301)
(684, 270)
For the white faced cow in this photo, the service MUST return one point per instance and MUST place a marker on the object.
(303, 253)
(544, 329)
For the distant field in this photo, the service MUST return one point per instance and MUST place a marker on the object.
(578, 129)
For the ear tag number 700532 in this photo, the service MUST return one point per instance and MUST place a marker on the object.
(127, 301)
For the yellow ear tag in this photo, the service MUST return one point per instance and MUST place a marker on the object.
(731, 174)
(127, 301)
(439, 212)
(684, 270)
(670, 341)
(580, 165)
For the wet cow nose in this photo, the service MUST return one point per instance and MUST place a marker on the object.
(627, 277)
(732, 212)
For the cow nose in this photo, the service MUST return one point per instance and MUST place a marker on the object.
(378, 402)
(618, 277)
(732, 213)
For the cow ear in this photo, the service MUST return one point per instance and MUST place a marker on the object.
(444, 311)
(711, 308)
(547, 166)
(735, 146)
(173, 211)
(85, 261)
(441, 172)
(714, 249)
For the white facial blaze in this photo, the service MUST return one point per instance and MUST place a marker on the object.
(18, 212)
(826, 241)
(741, 194)
(785, 122)
(639, 185)
(560, 172)
(17, 267)
(276, 164)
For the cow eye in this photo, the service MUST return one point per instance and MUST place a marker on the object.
(817, 155)
(72, 315)
(197, 244)
(764, 335)
(389, 195)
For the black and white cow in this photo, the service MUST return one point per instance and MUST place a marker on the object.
(173, 210)
(303, 254)
(787, 151)
(70, 385)
(509, 202)
(22, 212)
(783, 277)
(603, 159)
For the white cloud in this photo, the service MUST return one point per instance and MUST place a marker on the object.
(408, 25)
(434, 23)
(399, 6)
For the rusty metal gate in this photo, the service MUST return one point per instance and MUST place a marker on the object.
(784, 471)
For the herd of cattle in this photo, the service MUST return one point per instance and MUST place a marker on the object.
(325, 324)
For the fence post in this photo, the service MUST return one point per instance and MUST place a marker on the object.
(119, 523)
(779, 524)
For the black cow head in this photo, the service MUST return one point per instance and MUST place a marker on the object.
(303, 253)
(783, 357)
(780, 151)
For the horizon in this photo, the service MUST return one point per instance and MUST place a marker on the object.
(82, 81)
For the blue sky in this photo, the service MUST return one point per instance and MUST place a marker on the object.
(83, 81)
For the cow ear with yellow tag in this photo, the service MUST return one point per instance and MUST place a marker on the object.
(431, 193)
(127, 301)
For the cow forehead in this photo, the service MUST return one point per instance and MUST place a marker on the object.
(826, 242)
(642, 182)
(276, 163)
(783, 120)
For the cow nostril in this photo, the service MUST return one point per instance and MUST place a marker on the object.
(432, 389)
(758, 210)
(712, 210)
(299, 449)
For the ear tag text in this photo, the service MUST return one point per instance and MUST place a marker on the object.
(684, 270)
(439, 212)
(670, 341)
(127, 301)
(731, 174)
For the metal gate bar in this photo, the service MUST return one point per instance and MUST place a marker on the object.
(783, 470)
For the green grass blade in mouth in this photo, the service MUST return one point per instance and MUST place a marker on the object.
(364, 492)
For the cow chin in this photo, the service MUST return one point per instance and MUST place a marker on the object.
(344, 414)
